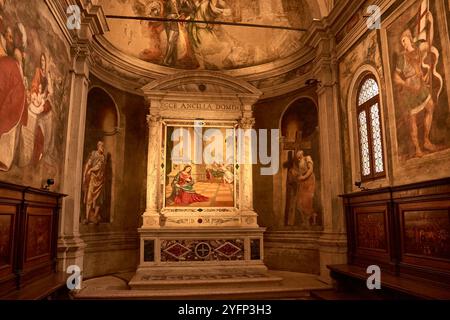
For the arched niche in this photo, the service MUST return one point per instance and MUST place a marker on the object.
(300, 207)
(100, 157)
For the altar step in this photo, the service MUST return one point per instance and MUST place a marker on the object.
(291, 286)
(206, 282)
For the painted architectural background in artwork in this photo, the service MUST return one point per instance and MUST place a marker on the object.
(419, 81)
(33, 94)
(207, 46)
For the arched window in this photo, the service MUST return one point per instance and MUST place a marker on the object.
(370, 130)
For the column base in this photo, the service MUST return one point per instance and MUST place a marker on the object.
(174, 258)
(332, 250)
(70, 252)
(249, 218)
(151, 219)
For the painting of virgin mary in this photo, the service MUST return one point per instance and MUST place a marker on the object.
(183, 192)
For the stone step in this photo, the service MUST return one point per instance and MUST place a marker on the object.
(278, 285)
(204, 281)
(203, 294)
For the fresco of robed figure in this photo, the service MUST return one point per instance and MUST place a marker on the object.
(33, 94)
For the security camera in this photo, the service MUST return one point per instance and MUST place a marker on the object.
(359, 185)
(312, 82)
(49, 183)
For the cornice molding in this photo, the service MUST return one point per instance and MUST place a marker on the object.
(93, 20)
(341, 16)
(170, 86)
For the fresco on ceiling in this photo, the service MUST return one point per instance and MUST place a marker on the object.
(207, 46)
(34, 94)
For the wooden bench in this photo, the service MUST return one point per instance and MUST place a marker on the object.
(351, 284)
(49, 287)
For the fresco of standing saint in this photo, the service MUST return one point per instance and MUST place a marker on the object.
(93, 184)
(418, 83)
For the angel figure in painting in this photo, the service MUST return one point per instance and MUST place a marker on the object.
(413, 77)
(228, 177)
(183, 192)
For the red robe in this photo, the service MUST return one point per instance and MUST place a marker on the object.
(186, 195)
(12, 95)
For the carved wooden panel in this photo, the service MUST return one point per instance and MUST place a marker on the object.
(425, 234)
(7, 228)
(28, 235)
(403, 229)
(371, 230)
(39, 228)
(371, 234)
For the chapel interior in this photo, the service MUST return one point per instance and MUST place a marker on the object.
(225, 149)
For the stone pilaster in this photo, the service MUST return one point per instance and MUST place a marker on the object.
(332, 244)
(70, 245)
(151, 217)
(248, 215)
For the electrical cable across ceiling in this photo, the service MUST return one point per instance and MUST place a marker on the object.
(158, 19)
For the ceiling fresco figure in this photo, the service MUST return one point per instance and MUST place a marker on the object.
(192, 46)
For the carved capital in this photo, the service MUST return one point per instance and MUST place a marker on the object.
(247, 123)
(81, 53)
(153, 119)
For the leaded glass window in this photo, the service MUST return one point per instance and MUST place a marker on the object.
(370, 130)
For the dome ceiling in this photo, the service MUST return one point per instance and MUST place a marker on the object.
(212, 47)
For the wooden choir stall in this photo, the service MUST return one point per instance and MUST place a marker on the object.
(405, 230)
(29, 220)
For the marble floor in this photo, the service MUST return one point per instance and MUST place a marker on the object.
(293, 286)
